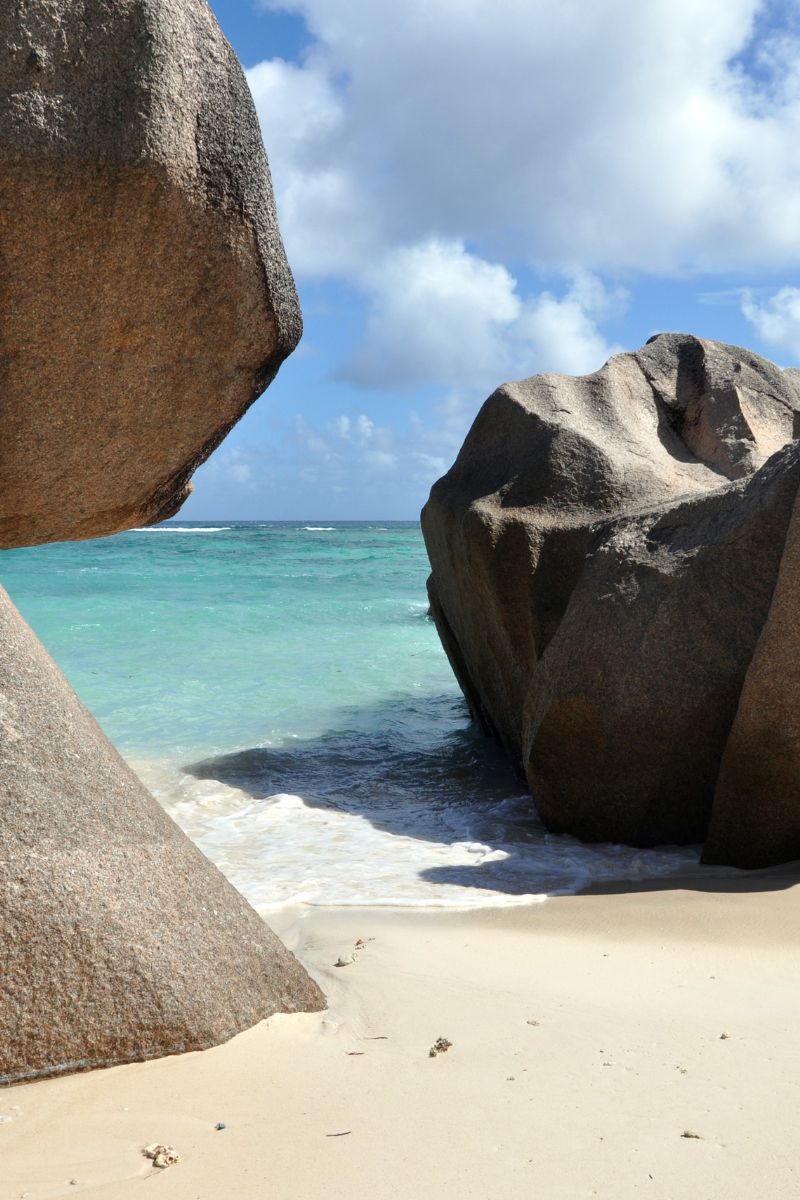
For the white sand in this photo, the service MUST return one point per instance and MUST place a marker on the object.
(630, 992)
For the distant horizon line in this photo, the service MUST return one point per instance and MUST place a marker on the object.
(292, 520)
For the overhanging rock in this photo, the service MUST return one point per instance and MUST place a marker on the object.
(145, 302)
(146, 298)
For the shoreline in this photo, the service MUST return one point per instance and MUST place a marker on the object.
(587, 1039)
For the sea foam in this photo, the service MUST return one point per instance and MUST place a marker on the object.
(284, 849)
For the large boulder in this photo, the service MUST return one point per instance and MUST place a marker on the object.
(616, 564)
(121, 941)
(146, 299)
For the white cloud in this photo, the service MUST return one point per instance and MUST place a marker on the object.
(322, 466)
(364, 429)
(602, 136)
(356, 449)
(341, 426)
(308, 438)
(306, 131)
(415, 159)
(440, 314)
(356, 454)
(229, 467)
(562, 334)
(776, 319)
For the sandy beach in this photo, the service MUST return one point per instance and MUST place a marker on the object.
(590, 1035)
(452, 657)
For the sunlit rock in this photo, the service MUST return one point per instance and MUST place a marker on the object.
(605, 554)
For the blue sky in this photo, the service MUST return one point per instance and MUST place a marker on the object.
(476, 190)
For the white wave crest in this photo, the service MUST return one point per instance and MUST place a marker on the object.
(181, 529)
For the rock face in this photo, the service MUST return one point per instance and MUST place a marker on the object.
(616, 580)
(146, 299)
(120, 940)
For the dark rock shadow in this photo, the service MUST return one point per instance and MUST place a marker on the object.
(418, 768)
(385, 763)
(694, 877)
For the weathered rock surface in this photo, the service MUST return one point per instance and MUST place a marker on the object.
(146, 299)
(121, 941)
(756, 815)
(616, 580)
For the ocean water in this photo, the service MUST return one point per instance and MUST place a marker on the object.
(280, 688)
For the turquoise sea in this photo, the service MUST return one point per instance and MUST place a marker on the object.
(280, 687)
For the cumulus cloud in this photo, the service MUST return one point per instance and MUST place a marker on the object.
(432, 161)
(230, 467)
(776, 319)
(338, 465)
(618, 135)
(443, 315)
(482, 173)
(304, 117)
(355, 451)
(438, 314)
(562, 334)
